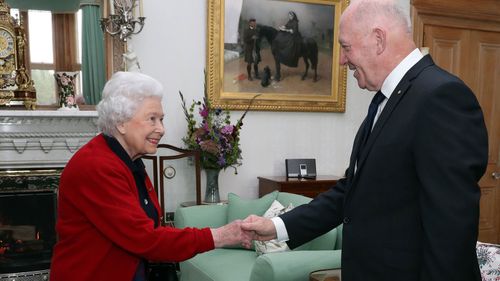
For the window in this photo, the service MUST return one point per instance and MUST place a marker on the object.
(42, 57)
(46, 58)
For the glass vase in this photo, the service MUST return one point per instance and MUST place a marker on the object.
(212, 190)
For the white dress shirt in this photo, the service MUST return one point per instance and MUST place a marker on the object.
(388, 87)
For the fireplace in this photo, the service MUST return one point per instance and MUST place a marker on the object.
(27, 219)
(34, 148)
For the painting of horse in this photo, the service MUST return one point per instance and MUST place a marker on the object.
(308, 51)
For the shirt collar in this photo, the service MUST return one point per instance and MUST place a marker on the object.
(393, 79)
(136, 166)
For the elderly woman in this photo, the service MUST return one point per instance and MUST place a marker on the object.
(108, 213)
(288, 41)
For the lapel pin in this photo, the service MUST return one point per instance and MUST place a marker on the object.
(399, 92)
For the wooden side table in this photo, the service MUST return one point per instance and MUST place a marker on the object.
(306, 187)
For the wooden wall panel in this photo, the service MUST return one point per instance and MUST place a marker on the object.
(446, 46)
(478, 9)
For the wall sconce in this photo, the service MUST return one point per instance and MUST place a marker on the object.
(121, 20)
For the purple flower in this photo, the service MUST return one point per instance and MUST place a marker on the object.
(221, 161)
(213, 135)
(206, 127)
(204, 111)
(227, 130)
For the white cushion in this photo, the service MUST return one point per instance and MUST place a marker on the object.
(273, 246)
(488, 256)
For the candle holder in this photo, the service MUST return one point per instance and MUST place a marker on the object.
(123, 23)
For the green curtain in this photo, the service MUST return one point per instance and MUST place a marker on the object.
(93, 67)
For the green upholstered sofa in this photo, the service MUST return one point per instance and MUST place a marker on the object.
(242, 264)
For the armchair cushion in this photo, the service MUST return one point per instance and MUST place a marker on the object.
(239, 208)
(293, 265)
(201, 216)
(219, 265)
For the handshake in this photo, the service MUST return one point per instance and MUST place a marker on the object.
(243, 232)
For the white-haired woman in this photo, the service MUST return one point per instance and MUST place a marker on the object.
(108, 213)
(288, 41)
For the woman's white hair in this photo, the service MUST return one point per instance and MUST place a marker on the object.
(123, 94)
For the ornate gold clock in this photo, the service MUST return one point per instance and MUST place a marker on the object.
(7, 43)
(16, 86)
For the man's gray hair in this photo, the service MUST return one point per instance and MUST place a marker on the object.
(123, 94)
(369, 10)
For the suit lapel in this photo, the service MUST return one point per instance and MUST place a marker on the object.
(355, 151)
(384, 116)
(401, 89)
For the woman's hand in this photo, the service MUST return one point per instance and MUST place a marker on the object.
(231, 234)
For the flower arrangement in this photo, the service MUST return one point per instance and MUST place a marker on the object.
(215, 137)
(66, 84)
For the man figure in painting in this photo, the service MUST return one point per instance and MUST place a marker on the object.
(409, 202)
(252, 55)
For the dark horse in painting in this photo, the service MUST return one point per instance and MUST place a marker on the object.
(308, 51)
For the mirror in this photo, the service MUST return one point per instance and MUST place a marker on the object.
(57, 35)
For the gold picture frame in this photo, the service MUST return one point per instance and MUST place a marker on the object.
(328, 94)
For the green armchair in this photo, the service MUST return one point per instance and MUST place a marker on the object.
(242, 264)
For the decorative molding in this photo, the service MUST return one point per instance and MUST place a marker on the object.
(20, 145)
(37, 139)
(29, 180)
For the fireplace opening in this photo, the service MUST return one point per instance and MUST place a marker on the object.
(27, 230)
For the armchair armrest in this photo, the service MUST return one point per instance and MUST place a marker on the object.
(293, 265)
(201, 216)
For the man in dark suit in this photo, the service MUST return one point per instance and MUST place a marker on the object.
(409, 202)
(252, 55)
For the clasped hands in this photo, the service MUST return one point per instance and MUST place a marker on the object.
(243, 232)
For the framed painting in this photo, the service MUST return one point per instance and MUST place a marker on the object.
(285, 50)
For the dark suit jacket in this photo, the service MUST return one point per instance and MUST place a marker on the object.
(411, 210)
(249, 44)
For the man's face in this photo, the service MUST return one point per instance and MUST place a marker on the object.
(252, 24)
(358, 54)
(141, 134)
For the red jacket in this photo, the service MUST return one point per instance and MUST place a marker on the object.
(102, 230)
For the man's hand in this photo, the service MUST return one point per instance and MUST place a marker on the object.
(231, 234)
(263, 229)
